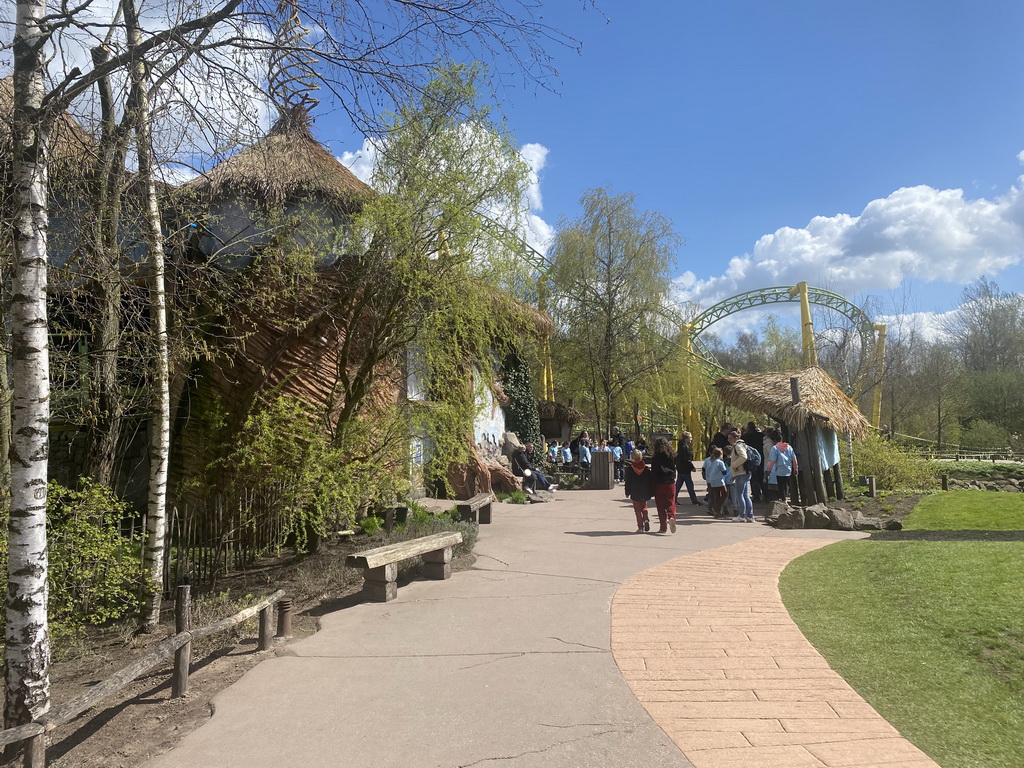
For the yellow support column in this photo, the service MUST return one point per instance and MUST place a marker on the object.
(879, 366)
(810, 352)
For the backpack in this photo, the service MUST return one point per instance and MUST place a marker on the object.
(753, 459)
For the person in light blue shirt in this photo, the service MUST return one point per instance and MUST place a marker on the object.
(715, 473)
(565, 453)
(585, 456)
(619, 464)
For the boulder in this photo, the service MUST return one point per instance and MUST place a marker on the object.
(862, 523)
(510, 443)
(791, 519)
(776, 508)
(893, 525)
(502, 479)
(841, 520)
(816, 516)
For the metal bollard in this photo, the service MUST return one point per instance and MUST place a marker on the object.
(284, 617)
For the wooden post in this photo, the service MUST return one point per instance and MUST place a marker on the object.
(830, 483)
(284, 617)
(945, 482)
(182, 656)
(35, 752)
(838, 476)
(872, 492)
(266, 628)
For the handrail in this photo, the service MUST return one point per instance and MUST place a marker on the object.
(54, 718)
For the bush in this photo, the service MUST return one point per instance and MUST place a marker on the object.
(894, 468)
(94, 571)
(518, 496)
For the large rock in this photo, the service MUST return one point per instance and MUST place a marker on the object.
(502, 479)
(842, 520)
(893, 525)
(862, 523)
(791, 519)
(510, 443)
(777, 508)
(816, 516)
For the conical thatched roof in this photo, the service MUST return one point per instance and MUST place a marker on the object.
(288, 163)
(822, 401)
(70, 143)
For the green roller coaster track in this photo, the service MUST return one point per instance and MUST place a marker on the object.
(762, 297)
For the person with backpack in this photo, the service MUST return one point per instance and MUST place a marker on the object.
(782, 465)
(754, 437)
(740, 472)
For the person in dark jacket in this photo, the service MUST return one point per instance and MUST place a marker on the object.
(639, 489)
(663, 468)
(523, 466)
(721, 438)
(685, 468)
(754, 437)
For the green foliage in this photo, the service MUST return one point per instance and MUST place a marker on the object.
(521, 413)
(518, 496)
(321, 486)
(94, 571)
(982, 469)
(928, 633)
(894, 468)
(371, 525)
(984, 434)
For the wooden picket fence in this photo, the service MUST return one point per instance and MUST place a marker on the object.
(224, 533)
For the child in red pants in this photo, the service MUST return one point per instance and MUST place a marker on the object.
(639, 488)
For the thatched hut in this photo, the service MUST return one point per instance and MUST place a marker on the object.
(285, 192)
(813, 410)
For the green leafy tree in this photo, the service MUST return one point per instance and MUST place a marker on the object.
(610, 284)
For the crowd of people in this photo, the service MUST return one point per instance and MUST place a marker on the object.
(742, 467)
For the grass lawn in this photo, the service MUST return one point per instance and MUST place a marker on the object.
(930, 633)
(968, 510)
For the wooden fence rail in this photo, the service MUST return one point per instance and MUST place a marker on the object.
(34, 733)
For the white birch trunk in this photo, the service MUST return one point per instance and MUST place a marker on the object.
(27, 644)
(160, 420)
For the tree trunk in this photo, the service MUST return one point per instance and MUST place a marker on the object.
(27, 643)
(106, 406)
(160, 418)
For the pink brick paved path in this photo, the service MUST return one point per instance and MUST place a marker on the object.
(708, 648)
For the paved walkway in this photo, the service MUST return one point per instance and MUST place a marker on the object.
(708, 648)
(532, 658)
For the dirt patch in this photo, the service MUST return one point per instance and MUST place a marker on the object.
(893, 506)
(142, 720)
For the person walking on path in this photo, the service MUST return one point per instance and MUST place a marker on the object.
(685, 468)
(664, 470)
(754, 437)
(639, 489)
(782, 465)
(715, 473)
(742, 503)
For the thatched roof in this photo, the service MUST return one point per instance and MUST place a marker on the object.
(288, 163)
(550, 410)
(822, 401)
(70, 143)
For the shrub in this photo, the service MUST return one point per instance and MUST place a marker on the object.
(894, 468)
(94, 571)
(518, 496)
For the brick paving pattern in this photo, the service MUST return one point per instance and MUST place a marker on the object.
(708, 648)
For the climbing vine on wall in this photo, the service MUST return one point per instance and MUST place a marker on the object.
(521, 414)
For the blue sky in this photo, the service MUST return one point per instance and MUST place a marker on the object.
(899, 124)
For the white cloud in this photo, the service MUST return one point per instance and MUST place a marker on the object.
(916, 232)
(362, 161)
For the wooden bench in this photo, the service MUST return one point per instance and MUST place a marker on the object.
(380, 565)
(478, 506)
